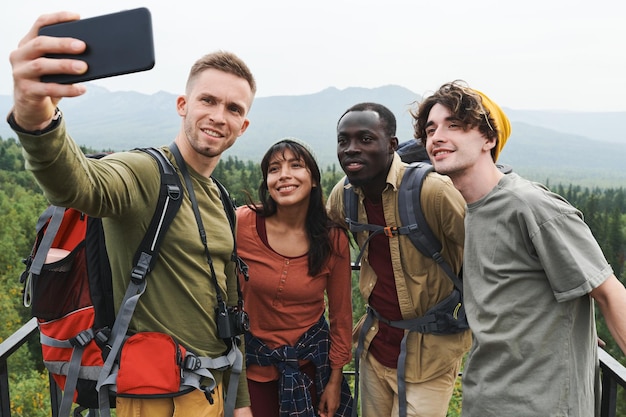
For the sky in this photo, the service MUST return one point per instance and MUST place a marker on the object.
(527, 54)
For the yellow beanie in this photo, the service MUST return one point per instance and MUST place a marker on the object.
(502, 124)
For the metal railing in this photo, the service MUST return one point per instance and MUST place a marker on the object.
(7, 348)
(613, 374)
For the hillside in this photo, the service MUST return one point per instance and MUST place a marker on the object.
(584, 148)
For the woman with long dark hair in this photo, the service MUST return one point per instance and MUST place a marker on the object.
(297, 260)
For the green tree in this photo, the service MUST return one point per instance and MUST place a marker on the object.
(18, 208)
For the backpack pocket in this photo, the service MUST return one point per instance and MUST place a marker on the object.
(62, 287)
(150, 366)
(449, 314)
(56, 359)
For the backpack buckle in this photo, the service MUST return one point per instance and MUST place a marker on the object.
(390, 231)
(191, 362)
(82, 339)
(208, 393)
(141, 268)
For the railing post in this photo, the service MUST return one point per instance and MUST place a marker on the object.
(7, 347)
(5, 398)
(613, 374)
(609, 396)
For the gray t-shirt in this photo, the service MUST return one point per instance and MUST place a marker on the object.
(530, 262)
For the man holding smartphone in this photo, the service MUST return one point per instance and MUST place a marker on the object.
(123, 189)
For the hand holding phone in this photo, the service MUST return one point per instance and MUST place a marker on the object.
(117, 43)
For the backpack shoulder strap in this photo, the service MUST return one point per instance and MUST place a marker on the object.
(409, 205)
(167, 206)
(229, 207)
(351, 212)
(170, 200)
(350, 203)
(411, 214)
(227, 201)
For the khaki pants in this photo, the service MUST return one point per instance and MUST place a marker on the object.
(379, 392)
(193, 404)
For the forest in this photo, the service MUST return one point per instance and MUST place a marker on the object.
(21, 202)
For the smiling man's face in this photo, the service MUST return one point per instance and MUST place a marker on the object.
(364, 149)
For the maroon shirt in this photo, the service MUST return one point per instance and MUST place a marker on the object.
(384, 298)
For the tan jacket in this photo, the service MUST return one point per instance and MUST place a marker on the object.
(420, 282)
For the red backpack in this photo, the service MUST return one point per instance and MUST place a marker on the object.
(67, 284)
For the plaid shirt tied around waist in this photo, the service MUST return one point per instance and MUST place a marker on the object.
(294, 396)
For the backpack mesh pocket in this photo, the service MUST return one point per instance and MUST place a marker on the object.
(62, 287)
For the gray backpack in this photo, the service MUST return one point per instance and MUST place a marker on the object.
(448, 316)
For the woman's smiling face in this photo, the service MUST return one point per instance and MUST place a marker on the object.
(289, 179)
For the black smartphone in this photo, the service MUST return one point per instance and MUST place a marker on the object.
(117, 43)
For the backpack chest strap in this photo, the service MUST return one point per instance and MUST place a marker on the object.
(375, 230)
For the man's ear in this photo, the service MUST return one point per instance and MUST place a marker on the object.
(393, 143)
(181, 105)
(490, 144)
(244, 126)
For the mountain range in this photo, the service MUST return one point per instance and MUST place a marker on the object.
(585, 148)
